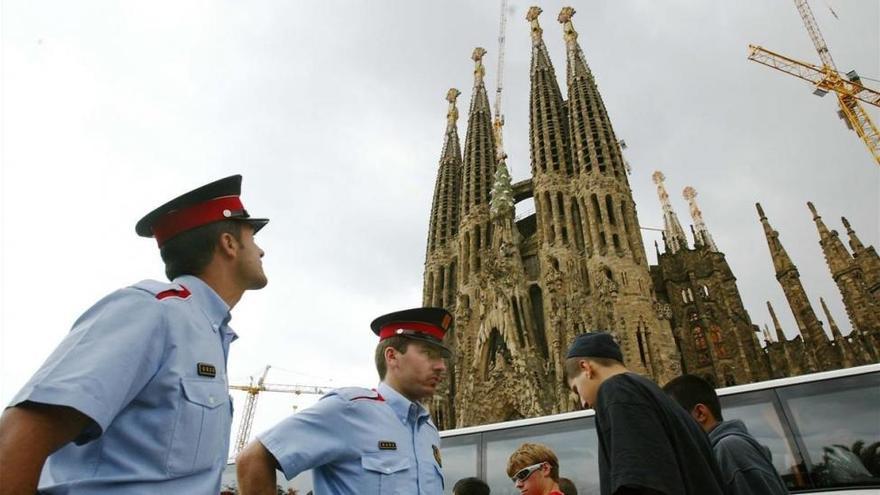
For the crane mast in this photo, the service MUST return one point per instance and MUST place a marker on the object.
(250, 405)
(848, 87)
(498, 121)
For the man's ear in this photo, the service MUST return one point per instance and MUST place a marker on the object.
(228, 245)
(701, 413)
(586, 367)
(390, 356)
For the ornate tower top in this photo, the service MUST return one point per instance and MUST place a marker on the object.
(854, 242)
(532, 17)
(479, 70)
(452, 114)
(564, 18)
(675, 238)
(836, 255)
(702, 232)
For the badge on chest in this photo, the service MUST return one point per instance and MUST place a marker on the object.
(206, 369)
(387, 445)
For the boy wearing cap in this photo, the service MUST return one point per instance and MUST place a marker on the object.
(647, 443)
(135, 399)
(359, 441)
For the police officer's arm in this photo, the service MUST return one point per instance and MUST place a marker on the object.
(255, 468)
(29, 433)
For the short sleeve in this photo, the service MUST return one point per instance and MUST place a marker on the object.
(310, 438)
(111, 352)
(639, 455)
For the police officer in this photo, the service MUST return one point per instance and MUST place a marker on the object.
(360, 441)
(135, 399)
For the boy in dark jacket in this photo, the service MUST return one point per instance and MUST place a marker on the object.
(746, 465)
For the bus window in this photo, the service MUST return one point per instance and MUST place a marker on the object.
(760, 411)
(574, 442)
(837, 423)
(459, 455)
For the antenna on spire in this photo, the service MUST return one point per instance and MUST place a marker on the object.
(498, 121)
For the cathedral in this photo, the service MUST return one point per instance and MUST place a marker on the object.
(521, 289)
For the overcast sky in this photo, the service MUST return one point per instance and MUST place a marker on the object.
(334, 112)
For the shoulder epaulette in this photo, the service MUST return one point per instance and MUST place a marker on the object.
(162, 290)
(356, 393)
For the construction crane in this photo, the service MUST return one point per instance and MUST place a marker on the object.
(250, 405)
(826, 78)
(498, 120)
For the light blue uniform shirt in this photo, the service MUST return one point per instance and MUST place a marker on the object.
(131, 364)
(361, 442)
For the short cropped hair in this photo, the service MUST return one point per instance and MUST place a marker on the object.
(573, 367)
(397, 342)
(470, 486)
(690, 390)
(190, 252)
(533, 453)
(567, 487)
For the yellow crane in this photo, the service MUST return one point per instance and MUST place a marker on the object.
(250, 405)
(848, 87)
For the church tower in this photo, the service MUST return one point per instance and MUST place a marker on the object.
(600, 215)
(809, 326)
(861, 307)
(440, 287)
(713, 330)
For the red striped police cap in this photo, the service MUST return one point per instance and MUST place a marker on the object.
(214, 202)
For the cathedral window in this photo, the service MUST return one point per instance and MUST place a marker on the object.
(537, 300)
(705, 292)
(609, 208)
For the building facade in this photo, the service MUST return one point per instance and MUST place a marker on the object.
(521, 289)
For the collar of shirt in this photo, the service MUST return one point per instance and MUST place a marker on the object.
(406, 410)
(214, 307)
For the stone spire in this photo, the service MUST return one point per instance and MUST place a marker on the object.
(787, 274)
(835, 330)
(861, 306)
(836, 255)
(674, 234)
(780, 335)
(854, 242)
(701, 231)
(767, 337)
(444, 210)
(867, 259)
(478, 163)
(781, 261)
(595, 148)
(549, 147)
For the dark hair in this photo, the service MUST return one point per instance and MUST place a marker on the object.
(470, 486)
(566, 486)
(397, 342)
(190, 252)
(690, 390)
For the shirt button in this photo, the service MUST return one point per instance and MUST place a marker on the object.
(211, 399)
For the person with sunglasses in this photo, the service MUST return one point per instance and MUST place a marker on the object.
(648, 444)
(534, 470)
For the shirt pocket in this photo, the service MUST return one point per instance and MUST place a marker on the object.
(202, 427)
(387, 472)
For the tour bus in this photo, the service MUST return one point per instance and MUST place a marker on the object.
(823, 430)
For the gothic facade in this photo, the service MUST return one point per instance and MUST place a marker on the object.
(521, 289)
